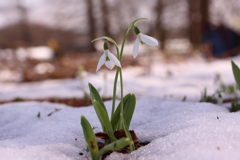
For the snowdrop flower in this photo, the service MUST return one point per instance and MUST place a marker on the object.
(143, 39)
(108, 59)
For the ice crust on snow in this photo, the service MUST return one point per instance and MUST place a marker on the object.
(176, 130)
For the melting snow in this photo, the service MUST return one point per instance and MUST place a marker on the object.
(177, 130)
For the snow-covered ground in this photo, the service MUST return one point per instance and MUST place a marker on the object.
(178, 79)
(177, 130)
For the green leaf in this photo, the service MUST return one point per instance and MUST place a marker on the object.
(129, 102)
(116, 116)
(119, 144)
(128, 109)
(235, 107)
(90, 137)
(103, 118)
(95, 95)
(106, 38)
(236, 73)
(128, 135)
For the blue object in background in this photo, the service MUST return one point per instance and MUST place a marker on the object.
(221, 38)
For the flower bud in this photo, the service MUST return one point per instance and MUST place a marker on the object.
(137, 31)
(105, 46)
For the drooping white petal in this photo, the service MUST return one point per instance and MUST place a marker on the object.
(114, 59)
(101, 61)
(109, 64)
(136, 47)
(148, 40)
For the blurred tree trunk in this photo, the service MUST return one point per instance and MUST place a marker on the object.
(198, 17)
(91, 24)
(24, 32)
(105, 18)
(205, 11)
(159, 29)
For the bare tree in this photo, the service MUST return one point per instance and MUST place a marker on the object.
(16, 33)
(198, 16)
(105, 18)
(23, 23)
(91, 23)
(159, 28)
(204, 11)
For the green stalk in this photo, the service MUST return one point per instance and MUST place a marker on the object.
(115, 85)
(114, 92)
(124, 40)
(117, 72)
(121, 85)
(116, 76)
(118, 55)
(120, 59)
(128, 135)
(127, 33)
(123, 44)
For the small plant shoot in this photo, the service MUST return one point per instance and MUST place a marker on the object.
(236, 72)
(227, 89)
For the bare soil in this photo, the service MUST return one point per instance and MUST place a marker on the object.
(73, 102)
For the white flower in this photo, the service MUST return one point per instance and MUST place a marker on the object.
(109, 59)
(144, 39)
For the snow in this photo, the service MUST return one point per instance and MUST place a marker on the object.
(37, 52)
(177, 130)
(190, 76)
(40, 52)
(44, 67)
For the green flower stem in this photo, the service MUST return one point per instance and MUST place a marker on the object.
(117, 72)
(114, 92)
(121, 85)
(123, 43)
(115, 85)
(118, 55)
(120, 59)
(127, 33)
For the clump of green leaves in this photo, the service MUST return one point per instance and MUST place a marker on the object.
(91, 141)
(235, 106)
(216, 97)
(121, 116)
(231, 89)
(207, 98)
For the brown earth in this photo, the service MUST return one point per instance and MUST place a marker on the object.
(65, 66)
(73, 102)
